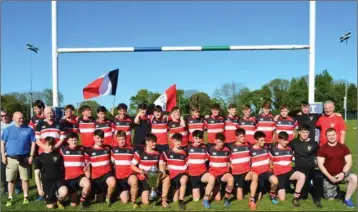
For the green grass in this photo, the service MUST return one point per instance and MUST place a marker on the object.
(263, 205)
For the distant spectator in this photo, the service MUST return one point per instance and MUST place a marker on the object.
(331, 120)
(17, 149)
(335, 161)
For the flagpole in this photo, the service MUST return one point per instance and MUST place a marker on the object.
(113, 105)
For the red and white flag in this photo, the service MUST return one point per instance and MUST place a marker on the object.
(168, 100)
(102, 86)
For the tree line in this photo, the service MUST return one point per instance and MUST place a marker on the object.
(278, 91)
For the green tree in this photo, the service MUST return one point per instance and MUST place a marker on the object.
(142, 96)
(93, 105)
(324, 87)
(352, 98)
(45, 96)
(202, 101)
(297, 93)
(278, 88)
(12, 104)
(227, 92)
(182, 102)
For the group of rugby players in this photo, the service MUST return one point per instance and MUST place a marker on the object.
(112, 163)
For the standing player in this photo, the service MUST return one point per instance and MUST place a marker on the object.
(194, 122)
(175, 161)
(69, 120)
(99, 157)
(285, 123)
(240, 165)
(124, 123)
(248, 123)
(260, 165)
(159, 129)
(214, 124)
(122, 155)
(51, 167)
(141, 127)
(266, 123)
(197, 158)
(106, 125)
(86, 127)
(231, 124)
(38, 108)
(75, 170)
(176, 124)
(219, 157)
(282, 168)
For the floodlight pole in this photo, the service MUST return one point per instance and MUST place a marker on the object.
(345, 38)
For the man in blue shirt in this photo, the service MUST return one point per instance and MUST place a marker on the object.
(17, 150)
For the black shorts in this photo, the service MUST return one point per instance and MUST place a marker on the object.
(143, 184)
(239, 180)
(99, 185)
(175, 182)
(196, 181)
(283, 179)
(162, 148)
(264, 177)
(73, 185)
(218, 179)
(122, 184)
(51, 191)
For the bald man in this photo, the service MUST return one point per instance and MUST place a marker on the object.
(331, 120)
(17, 150)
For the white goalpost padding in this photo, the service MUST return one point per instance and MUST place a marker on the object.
(311, 47)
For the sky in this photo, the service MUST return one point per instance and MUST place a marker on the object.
(160, 23)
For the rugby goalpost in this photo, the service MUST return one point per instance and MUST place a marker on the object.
(311, 47)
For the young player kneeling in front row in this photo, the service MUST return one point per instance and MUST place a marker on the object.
(76, 173)
(50, 165)
(282, 167)
(260, 165)
(122, 156)
(240, 164)
(175, 161)
(145, 159)
(99, 157)
(219, 157)
(197, 157)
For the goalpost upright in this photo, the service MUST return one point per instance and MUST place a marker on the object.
(311, 47)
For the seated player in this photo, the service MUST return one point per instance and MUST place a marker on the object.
(219, 157)
(99, 157)
(50, 165)
(197, 157)
(240, 164)
(260, 165)
(142, 161)
(122, 155)
(282, 168)
(75, 170)
(175, 161)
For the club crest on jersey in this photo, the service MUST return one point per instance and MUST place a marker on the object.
(191, 150)
(57, 126)
(173, 125)
(55, 159)
(191, 121)
(279, 122)
(214, 153)
(261, 119)
(116, 151)
(171, 156)
(97, 126)
(43, 127)
(332, 124)
(254, 153)
(311, 118)
(145, 157)
(236, 149)
(242, 123)
(309, 148)
(93, 153)
(276, 153)
(67, 152)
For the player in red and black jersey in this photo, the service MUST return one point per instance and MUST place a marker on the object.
(99, 157)
(69, 120)
(142, 161)
(106, 125)
(38, 108)
(282, 167)
(176, 124)
(260, 165)
(194, 122)
(124, 123)
(76, 172)
(122, 156)
(266, 123)
(214, 124)
(285, 123)
(231, 124)
(219, 166)
(240, 164)
(175, 161)
(159, 128)
(86, 126)
(197, 158)
(248, 123)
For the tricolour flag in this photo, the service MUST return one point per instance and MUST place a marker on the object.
(168, 99)
(102, 86)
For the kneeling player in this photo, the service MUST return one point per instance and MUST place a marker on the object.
(197, 157)
(175, 161)
(282, 168)
(99, 156)
(240, 164)
(145, 159)
(50, 165)
(219, 157)
(75, 170)
(122, 156)
(260, 165)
